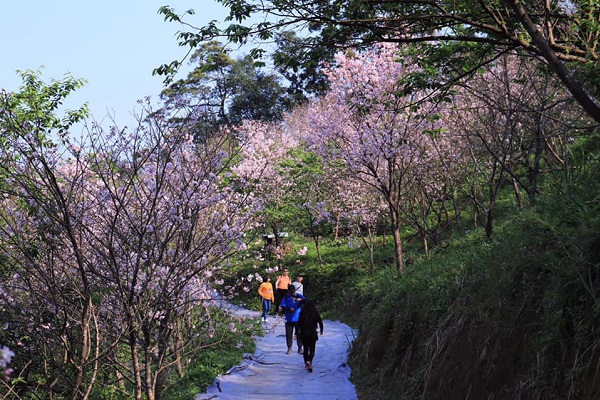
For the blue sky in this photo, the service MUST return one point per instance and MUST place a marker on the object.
(114, 45)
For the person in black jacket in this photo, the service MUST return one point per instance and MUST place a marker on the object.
(308, 323)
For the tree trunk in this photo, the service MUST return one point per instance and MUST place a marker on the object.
(397, 241)
(276, 233)
(135, 363)
(518, 194)
(567, 77)
(85, 348)
(370, 245)
(371, 250)
(489, 220)
(315, 236)
(180, 341)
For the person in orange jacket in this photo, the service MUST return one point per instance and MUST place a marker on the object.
(281, 288)
(265, 290)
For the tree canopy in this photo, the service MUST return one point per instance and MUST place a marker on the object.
(221, 91)
(463, 34)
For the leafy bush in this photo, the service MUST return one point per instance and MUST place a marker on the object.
(216, 357)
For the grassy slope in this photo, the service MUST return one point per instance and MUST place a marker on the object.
(516, 316)
(503, 319)
(220, 354)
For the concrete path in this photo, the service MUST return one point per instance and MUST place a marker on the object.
(270, 373)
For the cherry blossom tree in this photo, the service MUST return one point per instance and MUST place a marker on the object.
(363, 210)
(431, 204)
(381, 134)
(517, 120)
(112, 241)
(331, 195)
(263, 146)
(172, 220)
(30, 305)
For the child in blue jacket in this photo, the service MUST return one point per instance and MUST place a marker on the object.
(292, 306)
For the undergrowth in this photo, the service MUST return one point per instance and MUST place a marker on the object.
(225, 350)
(514, 316)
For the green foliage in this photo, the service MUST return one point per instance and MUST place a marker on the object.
(309, 32)
(215, 358)
(220, 91)
(259, 95)
(301, 66)
(33, 109)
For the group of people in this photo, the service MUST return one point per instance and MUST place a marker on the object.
(302, 319)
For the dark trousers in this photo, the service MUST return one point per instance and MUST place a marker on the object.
(279, 295)
(291, 330)
(310, 344)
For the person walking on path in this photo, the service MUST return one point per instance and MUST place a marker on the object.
(308, 323)
(291, 304)
(298, 284)
(281, 288)
(265, 290)
(271, 374)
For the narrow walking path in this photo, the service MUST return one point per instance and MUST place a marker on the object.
(271, 373)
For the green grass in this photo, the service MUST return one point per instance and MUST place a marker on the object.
(226, 350)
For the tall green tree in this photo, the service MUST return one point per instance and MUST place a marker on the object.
(464, 34)
(309, 192)
(221, 91)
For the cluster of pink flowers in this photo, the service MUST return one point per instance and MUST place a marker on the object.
(6, 356)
